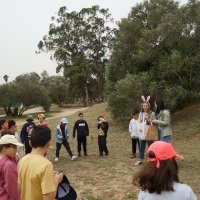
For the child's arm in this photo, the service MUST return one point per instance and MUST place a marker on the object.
(74, 129)
(58, 135)
(87, 129)
(130, 128)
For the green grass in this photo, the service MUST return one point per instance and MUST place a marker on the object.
(111, 178)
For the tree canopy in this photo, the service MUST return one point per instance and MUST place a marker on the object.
(80, 42)
(158, 43)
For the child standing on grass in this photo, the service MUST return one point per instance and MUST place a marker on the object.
(8, 168)
(158, 179)
(102, 136)
(82, 129)
(134, 132)
(26, 133)
(41, 118)
(62, 137)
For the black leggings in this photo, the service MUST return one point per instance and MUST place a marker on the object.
(66, 145)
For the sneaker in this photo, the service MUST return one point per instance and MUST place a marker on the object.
(139, 162)
(133, 156)
(101, 155)
(79, 154)
(106, 154)
(74, 157)
(56, 159)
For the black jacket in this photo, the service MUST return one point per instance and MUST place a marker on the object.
(104, 126)
(82, 128)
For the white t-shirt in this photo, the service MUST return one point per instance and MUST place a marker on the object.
(134, 128)
(181, 192)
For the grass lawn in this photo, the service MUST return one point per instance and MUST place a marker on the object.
(111, 178)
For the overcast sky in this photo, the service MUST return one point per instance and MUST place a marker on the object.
(25, 22)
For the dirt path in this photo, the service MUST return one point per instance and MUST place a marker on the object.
(66, 112)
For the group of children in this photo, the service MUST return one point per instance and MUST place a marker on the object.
(158, 178)
(81, 131)
(32, 177)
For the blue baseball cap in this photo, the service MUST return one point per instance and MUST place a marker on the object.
(64, 120)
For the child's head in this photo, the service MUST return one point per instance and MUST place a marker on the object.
(63, 122)
(135, 114)
(80, 116)
(161, 170)
(29, 119)
(100, 118)
(145, 107)
(40, 137)
(8, 145)
(12, 126)
(41, 118)
(3, 124)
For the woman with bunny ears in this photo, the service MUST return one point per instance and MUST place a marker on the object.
(145, 118)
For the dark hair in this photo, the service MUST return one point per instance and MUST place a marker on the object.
(40, 136)
(156, 179)
(7, 132)
(11, 123)
(100, 117)
(2, 121)
(135, 112)
(160, 105)
(80, 114)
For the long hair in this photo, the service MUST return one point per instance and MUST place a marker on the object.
(160, 105)
(142, 110)
(156, 180)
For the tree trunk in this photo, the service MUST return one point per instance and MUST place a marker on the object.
(15, 113)
(86, 102)
(8, 110)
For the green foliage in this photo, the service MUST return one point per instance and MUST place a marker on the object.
(160, 38)
(25, 91)
(126, 96)
(81, 45)
(58, 89)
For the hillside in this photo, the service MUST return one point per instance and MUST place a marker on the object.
(111, 178)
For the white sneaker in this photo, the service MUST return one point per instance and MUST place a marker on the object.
(56, 159)
(74, 157)
(139, 162)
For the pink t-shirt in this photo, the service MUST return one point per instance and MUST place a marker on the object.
(8, 179)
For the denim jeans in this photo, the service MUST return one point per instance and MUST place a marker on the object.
(165, 138)
(159, 133)
(134, 144)
(142, 148)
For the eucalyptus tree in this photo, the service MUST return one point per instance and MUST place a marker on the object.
(81, 44)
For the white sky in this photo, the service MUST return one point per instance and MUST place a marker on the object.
(25, 22)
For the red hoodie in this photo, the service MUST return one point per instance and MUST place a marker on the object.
(8, 179)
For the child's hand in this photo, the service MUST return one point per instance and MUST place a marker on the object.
(58, 177)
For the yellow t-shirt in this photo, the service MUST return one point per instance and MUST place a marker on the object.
(35, 177)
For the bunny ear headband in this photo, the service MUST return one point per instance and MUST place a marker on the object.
(143, 99)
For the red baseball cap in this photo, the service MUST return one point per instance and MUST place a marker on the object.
(162, 151)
